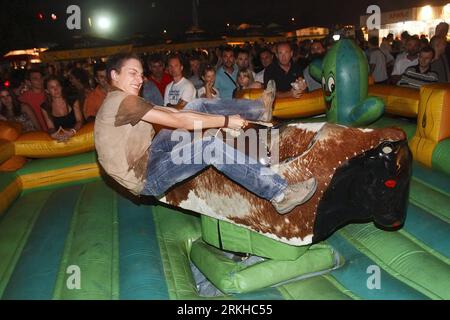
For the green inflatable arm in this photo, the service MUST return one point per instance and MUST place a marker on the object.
(365, 113)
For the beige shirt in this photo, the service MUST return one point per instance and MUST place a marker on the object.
(122, 139)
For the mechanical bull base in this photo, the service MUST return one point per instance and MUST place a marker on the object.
(363, 175)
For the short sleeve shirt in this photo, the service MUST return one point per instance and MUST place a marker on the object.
(378, 59)
(182, 90)
(122, 139)
(282, 79)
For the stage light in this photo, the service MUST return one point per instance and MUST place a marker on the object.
(104, 23)
(53, 16)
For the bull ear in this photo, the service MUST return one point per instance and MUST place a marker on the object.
(315, 69)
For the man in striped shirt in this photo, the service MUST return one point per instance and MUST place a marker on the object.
(417, 76)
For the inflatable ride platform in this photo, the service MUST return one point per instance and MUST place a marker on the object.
(66, 232)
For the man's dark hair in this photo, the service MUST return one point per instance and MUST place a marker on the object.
(177, 56)
(100, 66)
(428, 49)
(285, 43)
(413, 38)
(33, 70)
(227, 49)
(405, 35)
(265, 50)
(117, 61)
(155, 58)
(239, 51)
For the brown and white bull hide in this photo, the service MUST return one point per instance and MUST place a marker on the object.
(320, 149)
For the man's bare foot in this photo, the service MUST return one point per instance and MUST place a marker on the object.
(267, 98)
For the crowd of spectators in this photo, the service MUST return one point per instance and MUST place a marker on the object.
(60, 98)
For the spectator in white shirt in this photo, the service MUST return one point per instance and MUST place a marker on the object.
(266, 58)
(407, 59)
(316, 51)
(386, 48)
(180, 91)
(377, 61)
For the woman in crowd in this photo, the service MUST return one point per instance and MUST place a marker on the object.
(209, 78)
(245, 80)
(63, 119)
(12, 110)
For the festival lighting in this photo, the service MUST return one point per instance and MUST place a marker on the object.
(447, 10)
(426, 13)
(104, 23)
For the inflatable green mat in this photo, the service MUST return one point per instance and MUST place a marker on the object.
(85, 241)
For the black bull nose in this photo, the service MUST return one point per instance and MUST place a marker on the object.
(373, 186)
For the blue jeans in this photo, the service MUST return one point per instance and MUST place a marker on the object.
(163, 172)
(247, 109)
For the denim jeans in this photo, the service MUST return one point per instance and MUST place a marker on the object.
(246, 108)
(163, 172)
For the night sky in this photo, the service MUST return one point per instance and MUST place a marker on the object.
(20, 27)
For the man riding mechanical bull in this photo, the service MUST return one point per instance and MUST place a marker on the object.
(327, 176)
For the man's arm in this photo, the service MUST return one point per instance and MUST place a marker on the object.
(134, 109)
(186, 119)
(294, 92)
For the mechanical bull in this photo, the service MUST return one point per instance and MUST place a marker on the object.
(362, 175)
